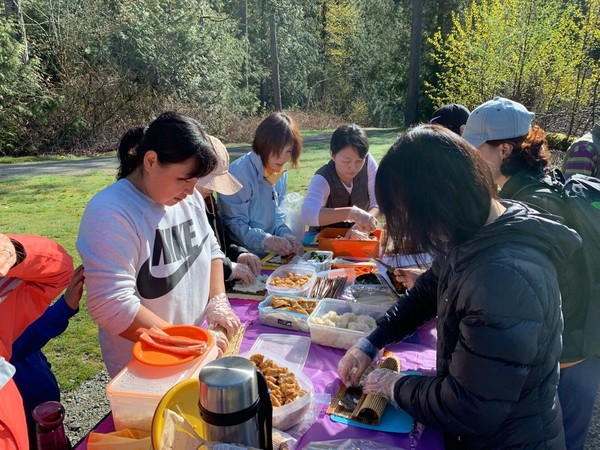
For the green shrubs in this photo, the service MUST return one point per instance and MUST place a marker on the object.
(23, 100)
(559, 141)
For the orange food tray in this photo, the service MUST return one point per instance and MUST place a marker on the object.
(328, 240)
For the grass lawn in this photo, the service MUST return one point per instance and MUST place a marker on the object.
(52, 206)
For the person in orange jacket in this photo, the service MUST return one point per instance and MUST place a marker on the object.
(33, 271)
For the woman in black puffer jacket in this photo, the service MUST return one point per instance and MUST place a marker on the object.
(493, 287)
(520, 159)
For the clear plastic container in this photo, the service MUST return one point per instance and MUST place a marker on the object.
(333, 336)
(286, 416)
(136, 390)
(372, 288)
(286, 270)
(324, 263)
(349, 273)
(278, 318)
(290, 347)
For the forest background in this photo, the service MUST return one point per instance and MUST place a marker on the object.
(75, 74)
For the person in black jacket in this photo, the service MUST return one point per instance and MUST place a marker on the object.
(493, 287)
(239, 263)
(519, 156)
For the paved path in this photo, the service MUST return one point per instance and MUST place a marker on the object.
(86, 165)
(76, 166)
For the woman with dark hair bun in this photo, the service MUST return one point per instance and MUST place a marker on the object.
(493, 288)
(253, 215)
(520, 160)
(146, 243)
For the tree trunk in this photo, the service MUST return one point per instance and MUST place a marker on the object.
(243, 35)
(12, 8)
(275, 66)
(411, 113)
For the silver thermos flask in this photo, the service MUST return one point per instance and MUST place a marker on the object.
(234, 403)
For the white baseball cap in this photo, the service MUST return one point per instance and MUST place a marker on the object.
(220, 180)
(496, 119)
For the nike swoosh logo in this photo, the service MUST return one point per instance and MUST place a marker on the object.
(151, 287)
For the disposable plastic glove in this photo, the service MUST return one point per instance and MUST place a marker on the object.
(408, 276)
(277, 245)
(362, 219)
(382, 382)
(251, 260)
(221, 341)
(219, 312)
(242, 272)
(297, 247)
(352, 365)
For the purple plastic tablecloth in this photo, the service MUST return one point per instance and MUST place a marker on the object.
(416, 353)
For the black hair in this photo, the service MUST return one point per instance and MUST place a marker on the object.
(350, 135)
(174, 137)
(434, 190)
(276, 131)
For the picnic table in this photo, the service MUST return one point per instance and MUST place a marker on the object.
(416, 353)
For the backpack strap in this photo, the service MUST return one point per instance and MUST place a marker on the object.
(556, 186)
(557, 176)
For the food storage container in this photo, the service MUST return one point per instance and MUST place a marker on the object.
(349, 273)
(290, 348)
(286, 271)
(319, 259)
(329, 239)
(286, 416)
(273, 316)
(333, 336)
(135, 392)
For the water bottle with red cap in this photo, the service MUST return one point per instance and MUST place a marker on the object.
(49, 426)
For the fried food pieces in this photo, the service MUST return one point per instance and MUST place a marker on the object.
(297, 305)
(291, 280)
(283, 385)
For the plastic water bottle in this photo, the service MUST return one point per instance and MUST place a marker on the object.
(49, 426)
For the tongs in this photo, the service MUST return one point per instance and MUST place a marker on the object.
(387, 266)
(390, 269)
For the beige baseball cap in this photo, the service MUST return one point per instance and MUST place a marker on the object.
(220, 180)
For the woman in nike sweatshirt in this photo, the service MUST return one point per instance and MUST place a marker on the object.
(146, 243)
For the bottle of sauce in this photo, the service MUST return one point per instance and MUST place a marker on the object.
(49, 426)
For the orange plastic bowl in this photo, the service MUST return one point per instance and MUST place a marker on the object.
(152, 356)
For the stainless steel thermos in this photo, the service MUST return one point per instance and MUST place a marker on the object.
(234, 403)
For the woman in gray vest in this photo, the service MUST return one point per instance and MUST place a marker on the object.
(342, 192)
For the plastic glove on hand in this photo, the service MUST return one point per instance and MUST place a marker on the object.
(219, 312)
(408, 276)
(382, 382)
(242, 272)
(352, 365)
(362, 219)
(277, 245)
(297, 247)
(251, 260)
(221, 341)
